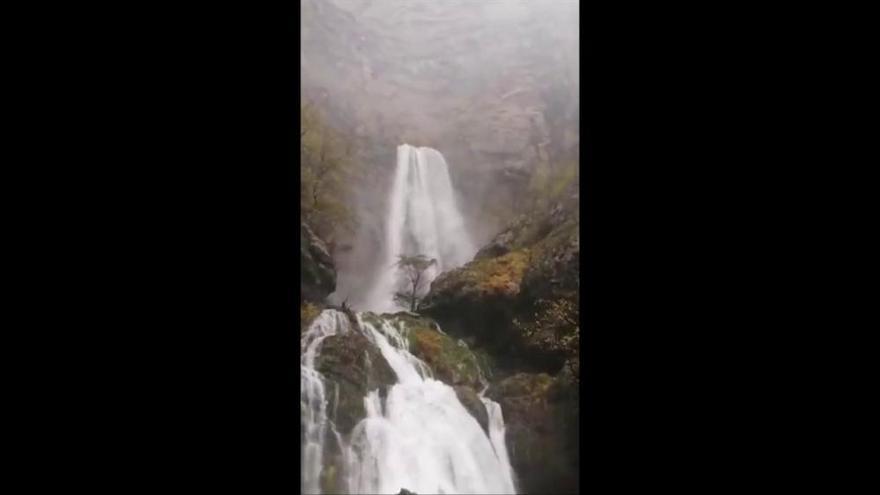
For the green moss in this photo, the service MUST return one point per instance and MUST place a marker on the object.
(452, 362)
(409, 320)
(490, 276)
(307, 314)
(328, 478)
(484, 362)
(525, 385)
(372, 318)
(504, 274)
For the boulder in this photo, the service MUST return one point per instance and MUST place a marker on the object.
(350, 363)
(536, 258)
(480, 299)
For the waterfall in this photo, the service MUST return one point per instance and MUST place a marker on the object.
(420, 437)
(423, 218)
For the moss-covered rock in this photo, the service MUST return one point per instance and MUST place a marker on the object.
(318, 274)
(482, 278)
(480, 299)
(536, 258)
(555, 265)
(541, 432)
(450, 359)
(307, 314)
(471, 401)
(351, 364)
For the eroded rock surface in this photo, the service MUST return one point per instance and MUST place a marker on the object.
(492, 85)
(541, 420)
(350, 363)
(534, 259)
(318, 274)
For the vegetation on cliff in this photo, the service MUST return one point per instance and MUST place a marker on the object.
(519, 298)
(326, 173)
(307, 314)
(487, 277)
(494, 87)
(451, 360)
(555, 328)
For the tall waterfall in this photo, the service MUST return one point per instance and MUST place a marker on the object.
(423, 218)
(420, 437)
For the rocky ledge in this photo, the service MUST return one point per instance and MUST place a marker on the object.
(318, 277)
(535, 260)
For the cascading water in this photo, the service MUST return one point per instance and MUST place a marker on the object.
(420, 437)
(423, 218)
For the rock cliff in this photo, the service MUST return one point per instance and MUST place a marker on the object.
(492, 85)
(519, 301)
(318, 274)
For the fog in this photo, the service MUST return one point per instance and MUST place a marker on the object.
(491, 84)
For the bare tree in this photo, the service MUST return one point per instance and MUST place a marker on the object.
(415, 268)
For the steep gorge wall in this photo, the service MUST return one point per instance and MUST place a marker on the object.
(492, 85)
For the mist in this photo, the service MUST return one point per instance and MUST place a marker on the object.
(492, 85)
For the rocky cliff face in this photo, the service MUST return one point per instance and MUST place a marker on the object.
(536, 258)
(351, 366)
(541, 418)
(492, 85)
(318, 277)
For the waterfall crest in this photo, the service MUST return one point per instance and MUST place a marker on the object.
(420, 437)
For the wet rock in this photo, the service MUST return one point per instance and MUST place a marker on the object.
(318, 274)
(555, 268)
(471, 401)
(500, 245)
(307, 314)
(479, 299)
(451, 360)
(541, 432)
(536, 258)
(354, 367)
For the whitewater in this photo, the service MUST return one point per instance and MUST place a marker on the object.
(423, 218)
(420, 437)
